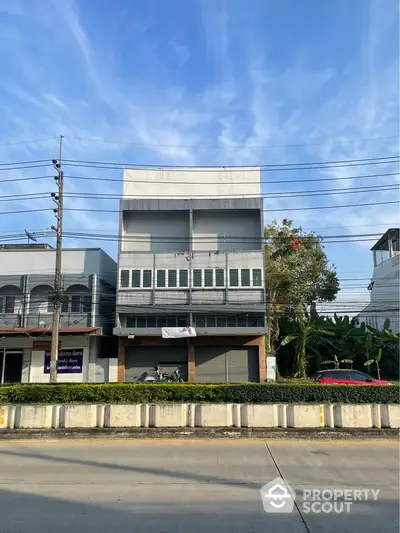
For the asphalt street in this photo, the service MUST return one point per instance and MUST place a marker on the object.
(156, 486)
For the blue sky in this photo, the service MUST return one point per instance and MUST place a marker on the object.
(224, 82)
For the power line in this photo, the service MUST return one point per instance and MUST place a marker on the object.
(265, 210)
(270, 194)
(174, 182)
(236, 168)
(24, 167)
(236, 146)
(25, 162)
(32, 141)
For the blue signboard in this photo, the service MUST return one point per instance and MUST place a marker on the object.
(69, 362)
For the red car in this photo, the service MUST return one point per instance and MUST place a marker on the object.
(347, 377)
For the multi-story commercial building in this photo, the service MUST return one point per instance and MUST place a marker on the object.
(26, 306)
(385, 283)
(191, 254)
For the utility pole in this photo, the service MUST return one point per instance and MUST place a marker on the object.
(58, 291)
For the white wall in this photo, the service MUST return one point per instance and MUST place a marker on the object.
(37, 374)
(74, 261)
(155, 231)
(385, 295)
(226, 230)
(204, 182)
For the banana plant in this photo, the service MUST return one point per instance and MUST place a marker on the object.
(375, 360)
(307, 330)
(336, 362)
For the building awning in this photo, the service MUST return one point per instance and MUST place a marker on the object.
(72, 330)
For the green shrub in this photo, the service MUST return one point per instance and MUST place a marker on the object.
(130, 393)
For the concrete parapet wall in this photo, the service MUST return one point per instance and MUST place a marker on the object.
(200, 415)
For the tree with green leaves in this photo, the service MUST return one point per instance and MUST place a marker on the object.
(297, 276)
(307, 330)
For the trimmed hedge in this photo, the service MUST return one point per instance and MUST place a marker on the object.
(129, 393)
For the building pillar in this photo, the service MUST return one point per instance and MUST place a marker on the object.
(191, 362)
(121, 359)
(262, 364)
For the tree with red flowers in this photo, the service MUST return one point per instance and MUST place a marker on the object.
(297, 275)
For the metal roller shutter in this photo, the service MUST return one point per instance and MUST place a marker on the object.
(210, 364)
(242, 364)
(143, 359)
(226, 364)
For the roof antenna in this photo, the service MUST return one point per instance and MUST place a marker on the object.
(31, 236)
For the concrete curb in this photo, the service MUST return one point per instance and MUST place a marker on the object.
(201, 433)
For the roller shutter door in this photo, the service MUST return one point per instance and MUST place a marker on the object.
(142, 359)
(210, 364)
(243, 364)
(226, 364)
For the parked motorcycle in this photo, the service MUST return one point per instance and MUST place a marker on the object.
(158, 376)
(176, 375)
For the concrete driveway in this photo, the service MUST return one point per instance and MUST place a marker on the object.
(156, 486)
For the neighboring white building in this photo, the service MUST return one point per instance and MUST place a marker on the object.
(385, 283)
(26, 312)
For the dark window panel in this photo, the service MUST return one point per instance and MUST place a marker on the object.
(221, 321)
(160, 278)
(141, 322)
(208, 277)
(172, 278)
(75, 303)
(183, 278)
(147, 281)
(234, 277)
(245, 277)
(219, 277)
(211, 321)
(87, 303)
(136, 278)
(196, 278)
(200, 321)
(257, 279)
(124, 278)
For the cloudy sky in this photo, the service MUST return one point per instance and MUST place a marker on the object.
(208, 82)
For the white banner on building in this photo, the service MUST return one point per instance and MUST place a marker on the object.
(177, 333)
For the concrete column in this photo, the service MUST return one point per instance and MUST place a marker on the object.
(191, 362)
(121, 359)
(262, 364)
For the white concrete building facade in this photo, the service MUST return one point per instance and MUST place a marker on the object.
(191, 253)
(26, 307)
(385, 283)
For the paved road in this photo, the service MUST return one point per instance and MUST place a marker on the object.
(190, 486)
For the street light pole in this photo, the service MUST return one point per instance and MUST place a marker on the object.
(57, 293)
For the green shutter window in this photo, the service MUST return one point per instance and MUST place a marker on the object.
(172, 278)
(234, 277)
(197, 278)
(245, 277)
(220, 277)
(160, 278)
(257, 281)
(208, 277)
(183, 278)
(147, 278)
(124, 281)
(135, 278)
